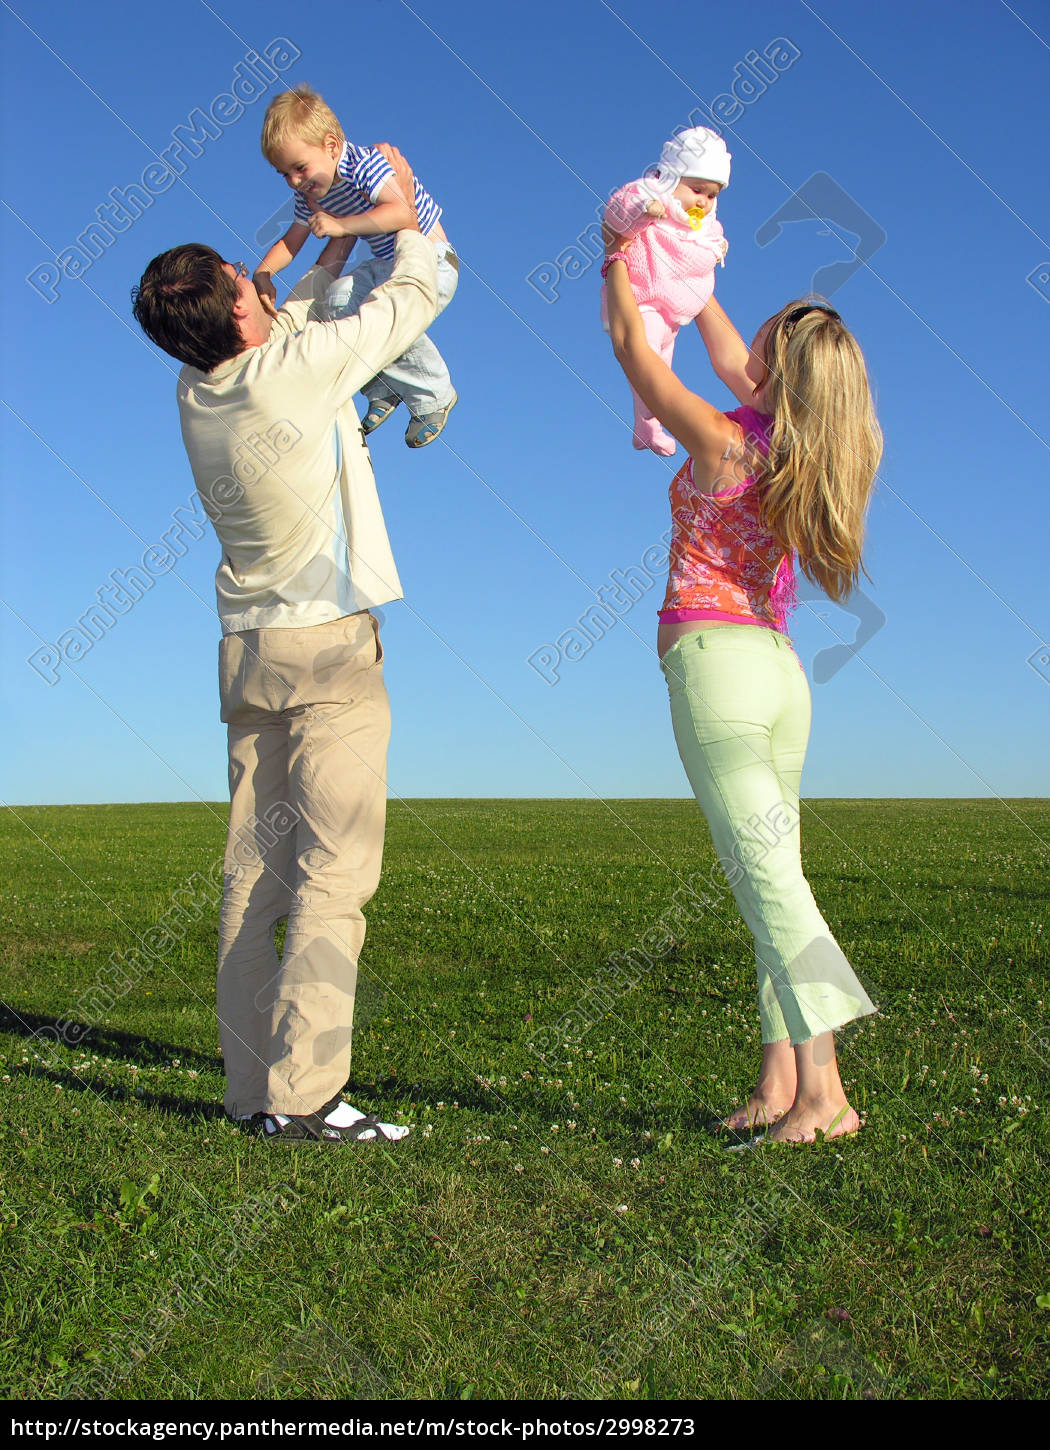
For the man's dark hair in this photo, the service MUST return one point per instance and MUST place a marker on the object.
(184, 304)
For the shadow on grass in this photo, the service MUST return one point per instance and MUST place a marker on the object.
(103, 1041)
(192, 1112)
(527, 1102)
(44, 1031)
(466, 1093)
(842, 879)
(538, 1107)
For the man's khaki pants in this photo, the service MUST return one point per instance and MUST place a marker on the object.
(309, 723)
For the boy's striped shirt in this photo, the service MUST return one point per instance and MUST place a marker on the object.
(361, 173)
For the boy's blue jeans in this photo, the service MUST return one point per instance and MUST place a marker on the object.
(419, 376)
(740, 707)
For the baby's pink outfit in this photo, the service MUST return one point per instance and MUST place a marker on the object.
(671, 265)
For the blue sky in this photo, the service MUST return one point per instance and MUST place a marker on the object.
(521, 122)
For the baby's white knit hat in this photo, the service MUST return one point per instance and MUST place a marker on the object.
(697, 152)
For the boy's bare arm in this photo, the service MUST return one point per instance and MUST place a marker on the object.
(389, 214)
(277, 258)
(334, 256)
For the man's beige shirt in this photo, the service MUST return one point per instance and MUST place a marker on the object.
(279, 459)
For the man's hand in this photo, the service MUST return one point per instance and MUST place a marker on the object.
(405, 181)
(267, 292)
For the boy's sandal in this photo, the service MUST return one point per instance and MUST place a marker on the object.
(379, 410)
(422, 431)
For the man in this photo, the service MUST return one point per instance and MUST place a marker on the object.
(284, 474)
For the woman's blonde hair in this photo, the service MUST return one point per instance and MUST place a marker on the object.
(825, 443)
(301, 113)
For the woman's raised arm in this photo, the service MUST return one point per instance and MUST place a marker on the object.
(699, 427)
(727, 350)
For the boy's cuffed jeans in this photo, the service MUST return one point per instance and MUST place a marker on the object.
(740, 707)
(308, 723)
(419, 377)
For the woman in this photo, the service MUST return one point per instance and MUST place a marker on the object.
(788, 474)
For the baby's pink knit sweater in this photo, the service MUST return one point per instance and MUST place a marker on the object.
(671, 264)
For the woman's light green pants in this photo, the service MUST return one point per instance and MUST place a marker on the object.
(741, 710)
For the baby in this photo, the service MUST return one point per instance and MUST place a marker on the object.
(677, 243)
(347, 191)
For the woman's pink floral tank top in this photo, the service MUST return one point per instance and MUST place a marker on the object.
(724, 564)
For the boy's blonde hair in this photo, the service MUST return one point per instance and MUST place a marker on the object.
(825, 444)
(301, 113)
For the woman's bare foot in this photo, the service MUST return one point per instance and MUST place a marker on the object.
(774, 1092)
(761, 1109)
(804, 1120)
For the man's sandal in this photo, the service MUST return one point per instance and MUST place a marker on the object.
(379, 410)
(422, 431)
(312, 1127)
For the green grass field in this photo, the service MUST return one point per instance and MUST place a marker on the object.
(564, 1225)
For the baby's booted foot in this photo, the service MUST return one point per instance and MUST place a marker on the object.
(804, 1121)
(656, 439)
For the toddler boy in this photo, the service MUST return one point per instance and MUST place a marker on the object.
(348, 191)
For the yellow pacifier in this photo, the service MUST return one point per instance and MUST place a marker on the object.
(696, 216)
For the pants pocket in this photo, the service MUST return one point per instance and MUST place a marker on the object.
(379, 642)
